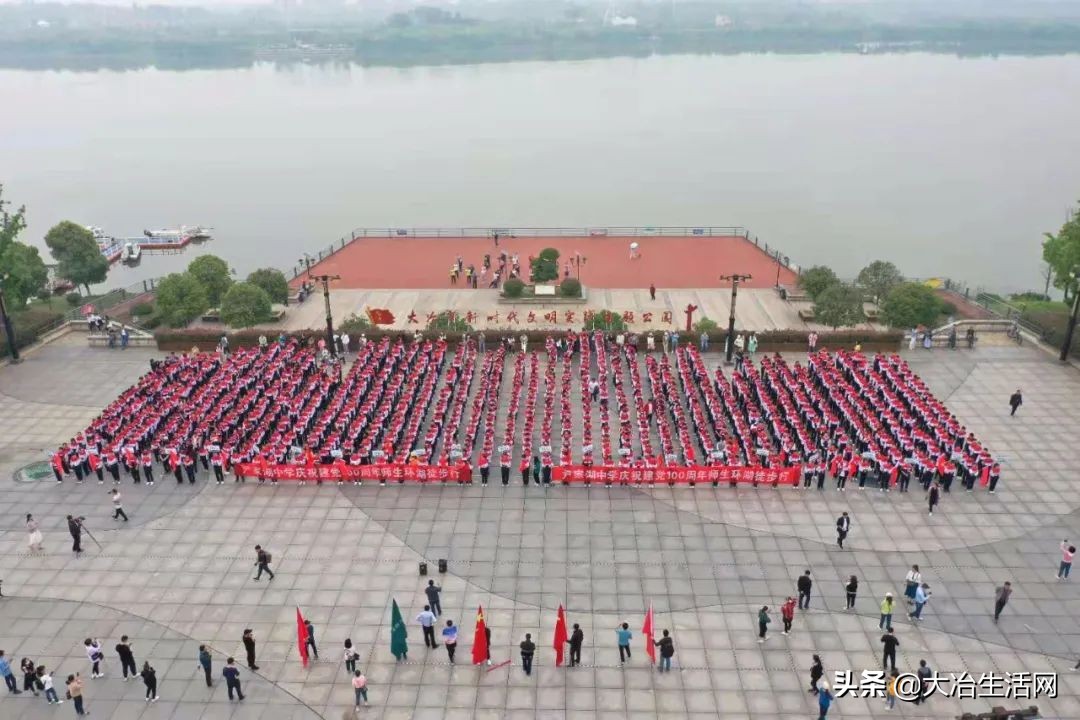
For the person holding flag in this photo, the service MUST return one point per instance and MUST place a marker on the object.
(303, 637)
(399, 645)
(561, 638)
(481, 650)
(667, 651)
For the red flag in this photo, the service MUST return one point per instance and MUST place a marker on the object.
(480, 649)
(301, 636)
(560, 636)
(647, 631)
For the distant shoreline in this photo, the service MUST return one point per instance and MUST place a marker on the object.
(513, 44)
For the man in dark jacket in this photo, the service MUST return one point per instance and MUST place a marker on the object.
(843, 525)
(528, 649)
(249, 646)
(232, 679)
(205, 663)
(75, 528)
(576, 638)
(127, 657)
(432, 590)
(1015, 401)
(891, 643)
(667, 651)
(804, 584)
(262, 560)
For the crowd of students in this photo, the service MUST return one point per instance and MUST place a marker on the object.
(855, 417)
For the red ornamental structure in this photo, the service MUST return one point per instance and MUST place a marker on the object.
(690, 317)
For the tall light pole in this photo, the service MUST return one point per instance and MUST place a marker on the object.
(325, 280)
(9, 331)
(1072, 317)
(735, 280)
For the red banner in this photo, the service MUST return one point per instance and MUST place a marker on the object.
(350, 473)
(676, 475)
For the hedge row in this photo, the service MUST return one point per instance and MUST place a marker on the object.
(768, 341)
(29, 325)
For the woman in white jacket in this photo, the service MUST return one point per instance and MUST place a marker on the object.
(33, 533)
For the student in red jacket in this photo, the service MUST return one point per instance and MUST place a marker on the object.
(787, 613)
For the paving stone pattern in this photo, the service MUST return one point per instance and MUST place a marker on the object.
(180, 573)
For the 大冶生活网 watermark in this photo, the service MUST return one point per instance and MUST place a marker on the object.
(910, 687)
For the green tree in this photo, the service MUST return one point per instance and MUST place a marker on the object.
(839, 306)
(570, 287)
(245, 304)
(354, 325)
(607, 321)
(545, 268)
(78, 257)
(213, 274)
(878, 278)
(909, 305)
(273, 282)
(1062, 253)
(180, 299)
(705, 325)
(815, 280)
(21, 267)
(448, 321)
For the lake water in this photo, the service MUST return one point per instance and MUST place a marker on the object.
(946, 166)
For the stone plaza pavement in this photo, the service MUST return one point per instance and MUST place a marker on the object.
(180, 573)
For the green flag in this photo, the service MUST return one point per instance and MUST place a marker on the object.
(398, 634)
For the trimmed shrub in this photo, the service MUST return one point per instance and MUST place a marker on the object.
(354, 325)
(28, 325)
(513, 288)
(706, 325)
(141, 309)
(607, 321)
(570, 287)
(73, 299)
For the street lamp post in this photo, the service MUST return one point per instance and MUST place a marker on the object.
(778, 268)
(325, 280)
(1072, 317)
(735, 280)
(577, 261)
(9, 331)
(307, 261)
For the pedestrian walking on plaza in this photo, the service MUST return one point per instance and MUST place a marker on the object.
(127, 657)
(75, 691)
(481, 342)
(1015, 401)
(652, 291)
(887, 607)
(1067, 553)
(351, 656)
(811, 341)
(851, 589)
(536, 470)
(95, 655)
(824, 699)
(890, 689)
(816, 671)
(33, 534)
(206, 663)
(149, 676)
(427, 622)
(75, 528)
(1001, 599)
(232, 679)
(528, 649)
(311, 638)
(843, 526)
(623, 636)
(924, 674)
(262, 561)
(359, 683)
(891, 642)
(935, 496)
(30, 679)
(704, 341)
(249, 648)
(922, 595)
(9, 677)
(432, 590)
(118, 506)
(787, 614)
(449, 634)
(576, 639)
(803, 585)
(763, 621)
(667, 651)
(912, 582)
(48, 685)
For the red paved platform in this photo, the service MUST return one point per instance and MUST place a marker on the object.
(667, 261)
